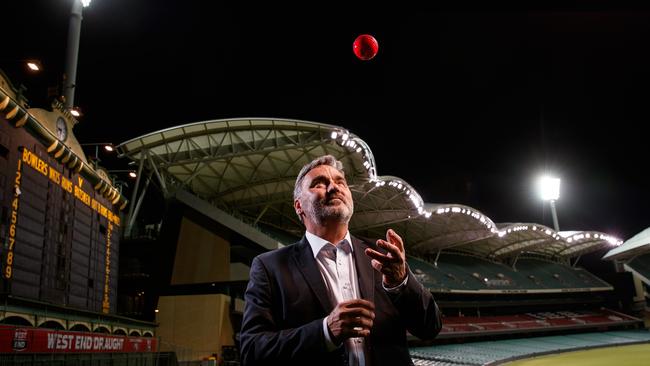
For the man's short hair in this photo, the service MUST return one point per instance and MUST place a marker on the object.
(323, 160)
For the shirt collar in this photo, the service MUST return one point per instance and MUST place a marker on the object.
(316, 243)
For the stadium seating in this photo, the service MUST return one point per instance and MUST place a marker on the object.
(492, 352)
(457, 272)
(455, 326)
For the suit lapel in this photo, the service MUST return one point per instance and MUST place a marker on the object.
(306, 263)
(365, 272)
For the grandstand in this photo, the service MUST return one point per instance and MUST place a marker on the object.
(472, 274)
(539, 322)
(634, 256)
(230, 182)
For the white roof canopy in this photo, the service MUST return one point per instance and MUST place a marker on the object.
(636, 245)
(247, 167)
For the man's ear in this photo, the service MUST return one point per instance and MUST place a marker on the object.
(297, 207)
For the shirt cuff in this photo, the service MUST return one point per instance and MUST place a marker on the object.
(397, 289)
(329, 344)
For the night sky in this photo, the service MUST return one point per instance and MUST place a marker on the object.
(468, 105)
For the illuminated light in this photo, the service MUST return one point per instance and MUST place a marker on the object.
(75, 112)
(455, 209)
(427, 215)
(549, 188)
(345, 136)
(588, 236)
(534, 228)
(569, 240)
(509, 231)
(132, 174)
(502, 234)
(108, 148)
(547, 232)
(440, 211)
(334, 135)
(33, 66)
(358, 149)
(85, 3)
(157, 310)
(399, 185)
(447, 209)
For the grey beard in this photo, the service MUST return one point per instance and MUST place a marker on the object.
(320, 213)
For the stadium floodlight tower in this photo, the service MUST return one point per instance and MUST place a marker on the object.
(549, 189)
(74, 34)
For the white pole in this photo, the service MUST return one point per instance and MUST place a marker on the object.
(74, 34)
(556, 226)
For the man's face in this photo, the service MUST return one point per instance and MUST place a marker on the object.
(326, 196)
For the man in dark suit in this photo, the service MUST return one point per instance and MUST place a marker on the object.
(331, 299)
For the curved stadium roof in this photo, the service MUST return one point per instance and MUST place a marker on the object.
(637, 245)
(247, 167)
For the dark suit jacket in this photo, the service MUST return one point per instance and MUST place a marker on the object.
(286, 301)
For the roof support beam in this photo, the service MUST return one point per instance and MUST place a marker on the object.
(135, 193)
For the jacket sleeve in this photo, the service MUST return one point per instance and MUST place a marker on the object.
(262, 340)
(418, 309)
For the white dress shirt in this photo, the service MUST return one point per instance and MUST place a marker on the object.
(340, 276)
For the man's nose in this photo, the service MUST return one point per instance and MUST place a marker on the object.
(333, 187)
